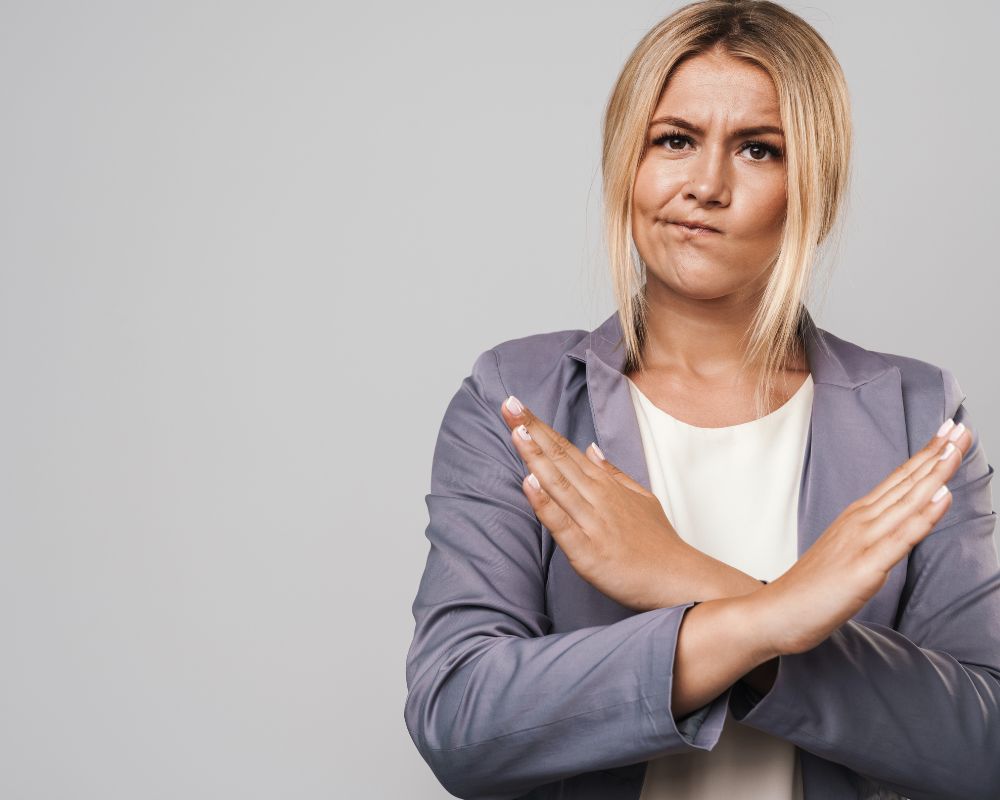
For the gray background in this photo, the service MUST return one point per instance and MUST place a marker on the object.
(244, 251)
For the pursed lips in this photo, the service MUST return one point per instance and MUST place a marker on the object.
(695, 228)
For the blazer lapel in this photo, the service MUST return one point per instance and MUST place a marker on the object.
(857, 431)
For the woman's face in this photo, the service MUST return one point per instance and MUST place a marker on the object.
(701, 164)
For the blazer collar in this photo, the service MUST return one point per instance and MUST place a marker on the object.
(831, 359)
(857, 431)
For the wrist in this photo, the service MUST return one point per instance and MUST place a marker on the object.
(762, 620)
(728, 581)
(713, 652)
(753, 612)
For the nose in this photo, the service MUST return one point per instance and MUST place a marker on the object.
(708, 180)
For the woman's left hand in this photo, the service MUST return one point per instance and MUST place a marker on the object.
(613, 531)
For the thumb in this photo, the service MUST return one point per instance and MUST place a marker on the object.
(595, 454)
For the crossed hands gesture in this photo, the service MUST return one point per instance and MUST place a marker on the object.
(617, 537)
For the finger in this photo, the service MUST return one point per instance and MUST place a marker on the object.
(595, 454)
(550, 469)
(554, 444)
(922, 457)
(890, 549)
(568, 535)
(915, 502)
(892, 495)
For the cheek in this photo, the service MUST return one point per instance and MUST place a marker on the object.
(773, 196)
(653, 187)
(775, 201)
(765, 209)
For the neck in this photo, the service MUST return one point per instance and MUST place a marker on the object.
(701, 339)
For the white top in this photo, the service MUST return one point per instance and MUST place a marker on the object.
(731, 492)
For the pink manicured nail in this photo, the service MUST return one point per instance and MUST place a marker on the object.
(597, 450)
(953, 436)
(514, 405)
(948, 450)
(533, 480)
(939, 494)
(522, 431)
(946, 426)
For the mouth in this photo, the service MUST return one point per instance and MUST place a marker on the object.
(694, 228)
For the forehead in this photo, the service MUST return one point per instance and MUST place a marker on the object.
(712, 81)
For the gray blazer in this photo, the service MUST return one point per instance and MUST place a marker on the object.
(525, 681)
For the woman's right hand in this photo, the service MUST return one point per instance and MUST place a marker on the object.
(851, 561)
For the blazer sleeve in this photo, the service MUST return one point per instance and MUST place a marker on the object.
(915, 707)
(496, 704)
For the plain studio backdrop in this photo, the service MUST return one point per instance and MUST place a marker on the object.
(244, 248)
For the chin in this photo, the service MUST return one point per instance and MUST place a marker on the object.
(695, 281)
(701, 290)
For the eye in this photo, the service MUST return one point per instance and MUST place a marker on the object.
(671, 137)
(760, 150)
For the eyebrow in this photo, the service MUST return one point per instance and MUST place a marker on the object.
(752, 131)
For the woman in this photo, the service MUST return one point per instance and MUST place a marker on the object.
(755, 583)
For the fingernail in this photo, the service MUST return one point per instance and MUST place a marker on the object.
(523, 433)
(953, 436)
(514, 405)
(948, 450)
(939, 494)
(597, 450)
(533, 480)
(946, 426)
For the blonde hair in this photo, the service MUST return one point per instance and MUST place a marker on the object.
(815, 115)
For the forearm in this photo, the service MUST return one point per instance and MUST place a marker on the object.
(916, 719)
(720, 581)
(716, 646)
